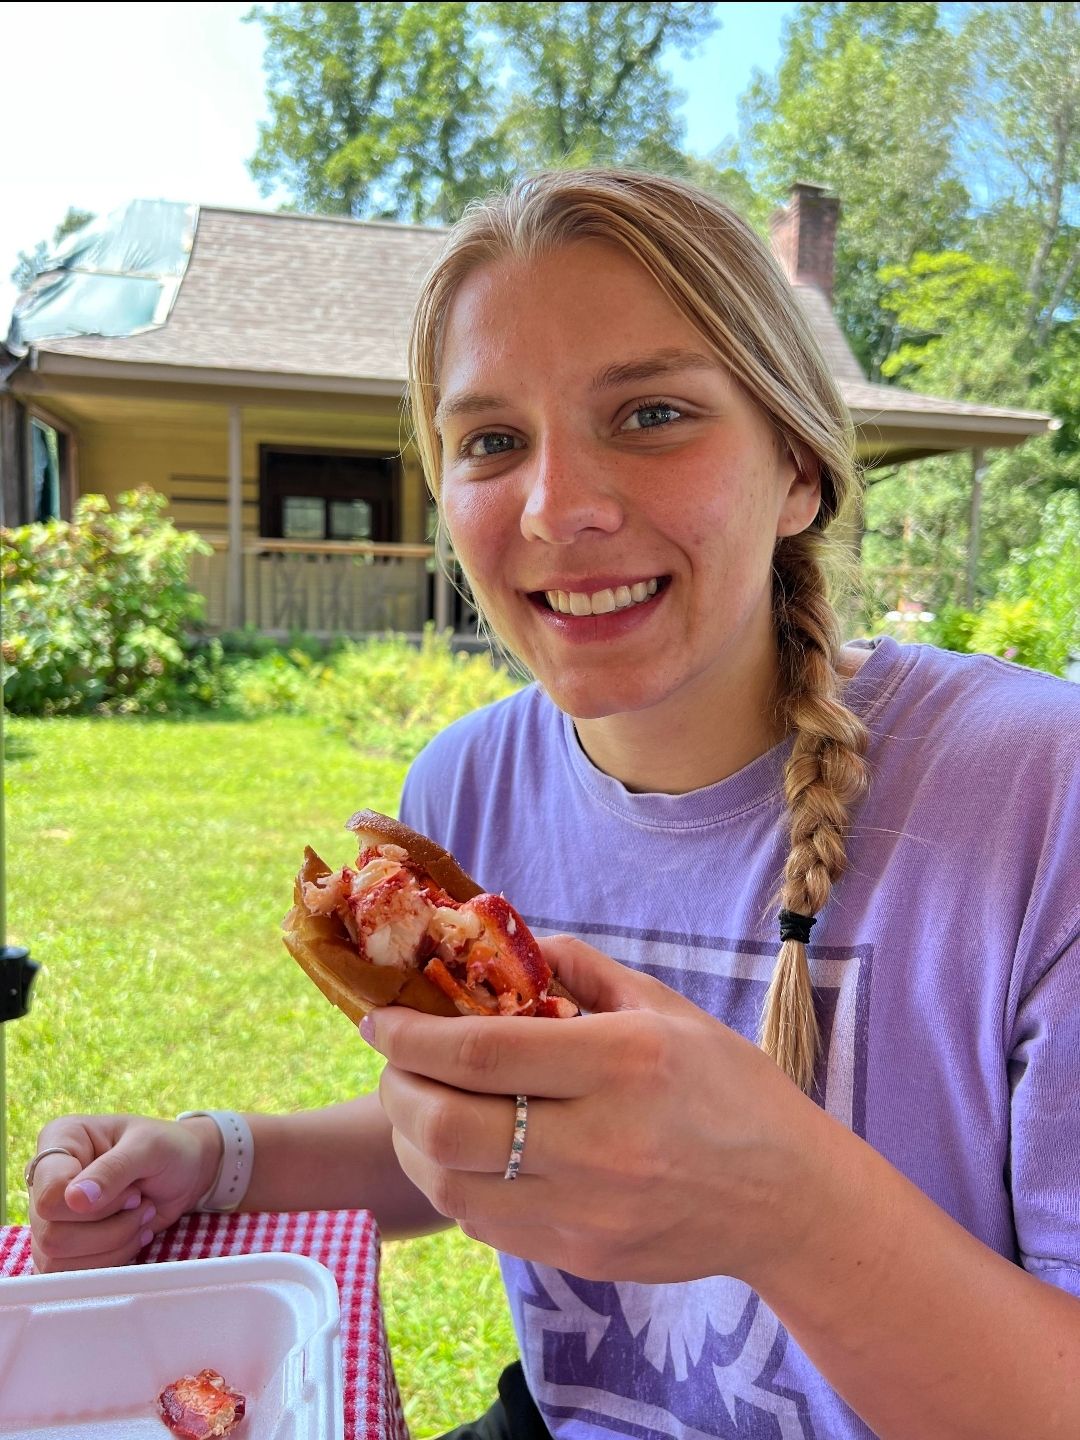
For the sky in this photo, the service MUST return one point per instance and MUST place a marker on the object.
(108, 103)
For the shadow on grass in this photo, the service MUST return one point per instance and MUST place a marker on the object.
(16, 747)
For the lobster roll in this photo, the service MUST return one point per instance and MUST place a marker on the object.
(405, 925)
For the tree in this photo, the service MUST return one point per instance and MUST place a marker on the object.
(33, 262)
(866, 101)
(1024, 112)
(587, 87)
(938, 298)
(411, 110)
(376, 109)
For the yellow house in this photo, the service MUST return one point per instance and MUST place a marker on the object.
(259, 388)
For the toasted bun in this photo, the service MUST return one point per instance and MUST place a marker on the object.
(371, 828)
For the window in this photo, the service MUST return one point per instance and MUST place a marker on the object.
(45, 470)
(350, 520)
(328, 495)
(303, 517)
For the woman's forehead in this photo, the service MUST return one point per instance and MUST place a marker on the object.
(583, 307)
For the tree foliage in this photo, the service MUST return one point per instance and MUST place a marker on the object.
(411, 110)
(951, 134)
(587, 87)
(31, 263)
(1024, 116)
(381, 109)
(866, 101)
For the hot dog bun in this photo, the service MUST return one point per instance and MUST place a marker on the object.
(332, 951)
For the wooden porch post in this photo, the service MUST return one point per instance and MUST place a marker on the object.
(234, 584)
(443, 589)
(978, 473)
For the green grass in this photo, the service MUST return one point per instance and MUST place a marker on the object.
(148, 865)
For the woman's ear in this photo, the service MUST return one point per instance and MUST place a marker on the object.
(802, 499)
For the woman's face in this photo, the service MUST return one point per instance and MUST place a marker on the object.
(612, 494)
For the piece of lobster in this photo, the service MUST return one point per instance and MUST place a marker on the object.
(499, 972)
(201, 1407)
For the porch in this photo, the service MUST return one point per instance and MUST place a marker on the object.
(316, 514)
(285, 587)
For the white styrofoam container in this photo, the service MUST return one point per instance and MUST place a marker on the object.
(85, 1354)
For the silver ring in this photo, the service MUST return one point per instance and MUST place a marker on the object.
(517, 1144)
(31, 1165)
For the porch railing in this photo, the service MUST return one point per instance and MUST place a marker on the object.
(330, 587)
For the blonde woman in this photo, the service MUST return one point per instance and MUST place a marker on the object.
(773, 1184)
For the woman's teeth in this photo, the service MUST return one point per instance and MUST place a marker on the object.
(601, 602)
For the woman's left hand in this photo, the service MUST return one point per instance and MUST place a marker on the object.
(661, 1145)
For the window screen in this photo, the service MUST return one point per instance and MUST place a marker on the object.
(303, 517)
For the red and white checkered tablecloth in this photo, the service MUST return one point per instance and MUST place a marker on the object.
(345, 1241)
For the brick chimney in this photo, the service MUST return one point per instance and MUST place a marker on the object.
(804, 237)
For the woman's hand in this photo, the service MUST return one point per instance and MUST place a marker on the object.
(127, 1178)
(661, 1145)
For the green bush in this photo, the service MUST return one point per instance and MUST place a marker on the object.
(1034, 619)
(1049, 575)
(278, 683)
(388, 698)
(96, 609)
(1013, 629)
(952, 629)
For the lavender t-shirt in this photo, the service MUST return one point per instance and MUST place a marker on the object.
(946, 966)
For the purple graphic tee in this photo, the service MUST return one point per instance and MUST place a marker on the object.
(947, 971)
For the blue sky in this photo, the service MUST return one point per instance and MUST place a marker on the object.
(113, 102)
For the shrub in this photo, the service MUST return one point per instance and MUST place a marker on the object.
(952, 629)
(278, 683)
(1034, 619)
(96, 609)
(388, 698)
(1013, 629)
(1049, 574)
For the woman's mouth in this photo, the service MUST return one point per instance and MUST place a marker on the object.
(602, 601)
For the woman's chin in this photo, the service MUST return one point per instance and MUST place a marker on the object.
(591, 698)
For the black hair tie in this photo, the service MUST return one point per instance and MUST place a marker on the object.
(794, 926)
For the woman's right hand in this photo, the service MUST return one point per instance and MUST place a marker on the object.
(127, 1177)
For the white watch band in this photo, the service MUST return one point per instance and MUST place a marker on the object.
(237, 1157)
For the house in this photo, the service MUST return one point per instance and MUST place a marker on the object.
(251, 368)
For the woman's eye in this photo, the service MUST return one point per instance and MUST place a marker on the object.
(649, 417)
(492, 442)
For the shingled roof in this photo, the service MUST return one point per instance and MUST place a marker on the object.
(329, 300)
(287, 295)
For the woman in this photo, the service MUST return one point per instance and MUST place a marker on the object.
(868, 1224)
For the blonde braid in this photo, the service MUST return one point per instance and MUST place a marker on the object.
(824, 776)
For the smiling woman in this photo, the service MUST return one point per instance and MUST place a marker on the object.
(640, 550)
(762, 1187)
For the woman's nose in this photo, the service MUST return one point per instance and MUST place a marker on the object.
(567, 495)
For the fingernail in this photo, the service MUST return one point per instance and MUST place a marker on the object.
(147, 1215)
(367, 1029)
(145, 1236)
(133, 1201)
(91, 1189)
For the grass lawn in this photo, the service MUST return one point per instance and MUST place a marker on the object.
(148, 865)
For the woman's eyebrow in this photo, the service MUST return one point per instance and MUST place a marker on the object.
(623, 372)
(467, 404)
(661, 362)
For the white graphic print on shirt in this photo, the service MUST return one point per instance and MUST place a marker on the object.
(704, 1360)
